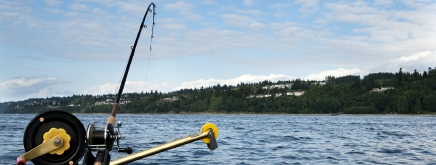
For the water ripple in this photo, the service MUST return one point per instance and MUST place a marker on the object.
(263, 139)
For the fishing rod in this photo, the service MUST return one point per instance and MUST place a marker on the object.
(58, 137)
(102, 140)
(111, 119)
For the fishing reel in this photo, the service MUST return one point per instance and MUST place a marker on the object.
(58, 137)
(54, 138)
(100, 138)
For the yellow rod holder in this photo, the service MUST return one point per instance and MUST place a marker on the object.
(167, 146)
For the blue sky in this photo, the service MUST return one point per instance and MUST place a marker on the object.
(60, 48)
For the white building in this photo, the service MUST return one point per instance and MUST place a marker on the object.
(296, 93)
(279, 86)
(381, 89)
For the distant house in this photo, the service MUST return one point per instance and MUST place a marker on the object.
(279, 86)
(171, 99)
(381, 89)
(260, 96)
(99, 103)
(321, 83)
(295, 93)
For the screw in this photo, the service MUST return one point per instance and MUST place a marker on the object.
(57, 142)
(41, 119)
(70, 162)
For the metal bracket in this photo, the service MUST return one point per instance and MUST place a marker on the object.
(212, 144)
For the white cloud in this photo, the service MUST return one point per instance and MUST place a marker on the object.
(336, 72)
(207, 42)
(172, 26)
(27, 83)
(53, 2)
(308, 6)
(291, 31)
(386, 25)
(179, 6)
(377, 33)
(185, 9)
(420, 60)
(417, 56)
(416, 3)
(107, 88)
(22, 88)
(78, 6)
(233, 81)
(254, 13)
(241, 21)
(136, 8)
(382, 2)
(248, 2)
(14, 13)
(280, 5)
(209, 2)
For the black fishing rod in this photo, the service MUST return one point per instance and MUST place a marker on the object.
(103, 141)
(111, 119)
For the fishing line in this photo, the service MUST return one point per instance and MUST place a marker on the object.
(146, 72)
(211, 156)
(150, 53)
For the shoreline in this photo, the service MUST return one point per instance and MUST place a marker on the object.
(278, 114)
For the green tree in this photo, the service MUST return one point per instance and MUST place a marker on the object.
(417, 108)
(399, 77)
(402, 105)
(429, 102)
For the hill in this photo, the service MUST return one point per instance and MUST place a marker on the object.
(375, 93)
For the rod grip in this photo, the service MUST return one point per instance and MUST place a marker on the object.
(21, 161)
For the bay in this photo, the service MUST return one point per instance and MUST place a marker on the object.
(261, 139)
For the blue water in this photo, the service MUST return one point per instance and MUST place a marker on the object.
(262, 139)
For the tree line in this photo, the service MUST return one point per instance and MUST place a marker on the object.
(375, 93)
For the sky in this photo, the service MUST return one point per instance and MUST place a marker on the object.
(72, 47)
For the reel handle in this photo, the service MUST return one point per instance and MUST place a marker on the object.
(127, 150)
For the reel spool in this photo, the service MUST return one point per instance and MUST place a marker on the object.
(42, 123)
(99, 137)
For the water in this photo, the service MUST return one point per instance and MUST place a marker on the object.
(262, 139)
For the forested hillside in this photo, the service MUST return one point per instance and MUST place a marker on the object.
(377, 93)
